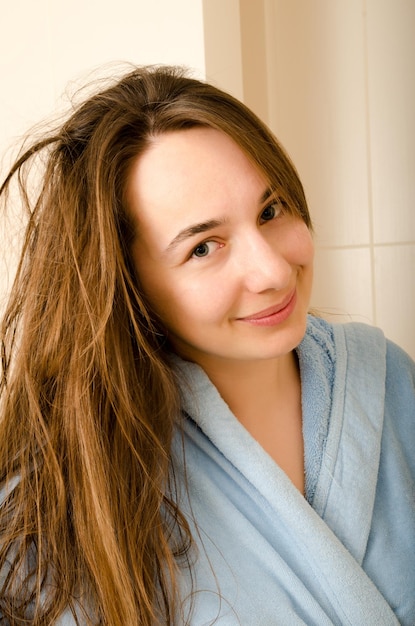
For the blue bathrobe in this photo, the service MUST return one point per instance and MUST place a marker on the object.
(266, 556)
(344, 554)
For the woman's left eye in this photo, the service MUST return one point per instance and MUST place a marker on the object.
(271, 211)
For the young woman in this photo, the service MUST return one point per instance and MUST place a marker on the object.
(179, 441)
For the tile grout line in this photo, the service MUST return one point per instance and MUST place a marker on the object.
(369, 163)
(363, 246)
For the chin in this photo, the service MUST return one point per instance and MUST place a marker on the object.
(291, 339)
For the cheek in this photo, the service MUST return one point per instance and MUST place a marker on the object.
(176, 299)
(301, 246)
(202, 300)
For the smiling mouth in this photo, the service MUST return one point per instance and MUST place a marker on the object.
(274, 314)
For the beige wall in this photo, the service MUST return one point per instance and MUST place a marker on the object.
(44, 45)
(335, 80)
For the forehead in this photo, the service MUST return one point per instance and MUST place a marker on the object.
(182, 165)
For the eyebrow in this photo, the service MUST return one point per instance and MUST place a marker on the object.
(267, 194)
(203, 227)
(194, 229)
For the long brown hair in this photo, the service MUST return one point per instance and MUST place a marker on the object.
(89, 403)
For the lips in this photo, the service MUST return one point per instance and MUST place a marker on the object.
(273, 312)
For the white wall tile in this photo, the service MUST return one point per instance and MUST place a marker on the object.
(254, 56)
(395, 293)
(223, 52)
(391, 81)
(343, 284)
(318, 109)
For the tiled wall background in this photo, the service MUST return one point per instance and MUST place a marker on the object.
(335, 79)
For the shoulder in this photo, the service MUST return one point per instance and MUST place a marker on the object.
(361, 350)
(355, 337)
(337, 338)
(400, 366)
(351, 336)
(400, 397)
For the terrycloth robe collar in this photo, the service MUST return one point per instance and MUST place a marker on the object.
(342, 461)
(312, 547)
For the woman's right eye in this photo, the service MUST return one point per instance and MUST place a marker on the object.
(204, 249)
(201, 250)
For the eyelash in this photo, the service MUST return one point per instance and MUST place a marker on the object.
(278, 207)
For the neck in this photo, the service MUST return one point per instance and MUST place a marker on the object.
(243, 384)
(265, 397)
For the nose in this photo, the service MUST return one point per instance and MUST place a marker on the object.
(262, 264)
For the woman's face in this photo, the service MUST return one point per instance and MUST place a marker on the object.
(227, 269)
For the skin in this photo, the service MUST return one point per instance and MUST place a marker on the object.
(229, 272)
